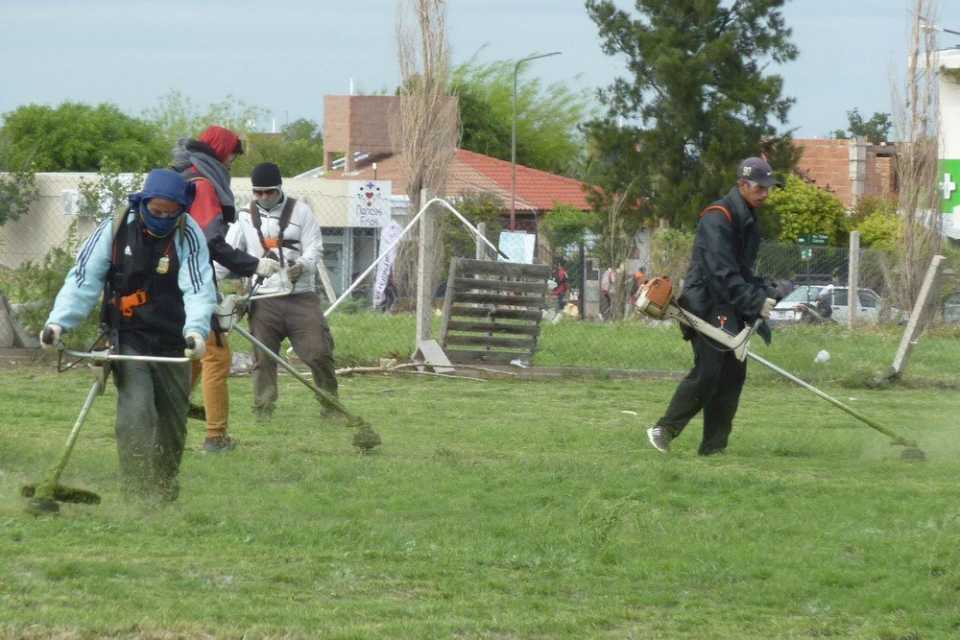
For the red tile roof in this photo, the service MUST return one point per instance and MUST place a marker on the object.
(536, 190)
(539, 189)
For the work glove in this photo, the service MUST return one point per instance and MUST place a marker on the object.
(763, 330)
(50, 336)
(294, 270)
(196, 345)
(266, 267)
(767, 307)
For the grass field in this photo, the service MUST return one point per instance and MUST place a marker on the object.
(493, 510)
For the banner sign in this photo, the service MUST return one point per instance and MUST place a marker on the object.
(369, 203)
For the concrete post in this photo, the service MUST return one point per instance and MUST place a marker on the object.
(424, 275)
(912, 331)
(853, 280)
(481, 250)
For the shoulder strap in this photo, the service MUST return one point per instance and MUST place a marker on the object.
(718, 208)
(254, 212)
(286, 214)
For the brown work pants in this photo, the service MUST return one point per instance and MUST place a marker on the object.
(214, 369)
(300, 318)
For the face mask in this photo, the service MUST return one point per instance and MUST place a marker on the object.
(269, 202)
(157, 227)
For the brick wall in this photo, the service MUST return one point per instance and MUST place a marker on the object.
(358, 123)
(826, 163)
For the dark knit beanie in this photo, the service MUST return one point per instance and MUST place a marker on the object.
(266, 175)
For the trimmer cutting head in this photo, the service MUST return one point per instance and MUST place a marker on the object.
(44, 501)
(913, 454)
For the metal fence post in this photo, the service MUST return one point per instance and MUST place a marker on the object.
(853, 279)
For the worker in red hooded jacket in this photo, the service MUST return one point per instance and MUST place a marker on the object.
(206, 162)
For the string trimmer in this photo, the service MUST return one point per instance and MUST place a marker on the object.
(326, 398)
(656, 301)
(45, 496)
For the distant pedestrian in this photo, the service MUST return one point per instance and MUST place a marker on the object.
(562, 287)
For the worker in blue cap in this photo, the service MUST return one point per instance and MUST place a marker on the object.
(151, 267)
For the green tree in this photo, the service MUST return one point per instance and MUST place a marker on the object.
(297, 148)
(698, 99)
(78, 137)
(548, 116)
(875, 130)
(177, 116)
(803, 209)
(565, 225)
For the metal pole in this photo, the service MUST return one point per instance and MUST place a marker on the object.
(513, 137)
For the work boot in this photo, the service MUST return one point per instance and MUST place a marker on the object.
(218, 444)
(660, 438)
(197, 412)
(263, 415)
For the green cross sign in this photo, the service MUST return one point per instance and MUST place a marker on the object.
(949, 185)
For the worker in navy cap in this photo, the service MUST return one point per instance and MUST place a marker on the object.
(151, 267)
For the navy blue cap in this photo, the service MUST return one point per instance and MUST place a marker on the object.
(757, 170)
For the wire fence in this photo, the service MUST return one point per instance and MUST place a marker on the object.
(378, 319)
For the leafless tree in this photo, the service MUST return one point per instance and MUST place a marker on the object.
(918, 122)
(425, 129)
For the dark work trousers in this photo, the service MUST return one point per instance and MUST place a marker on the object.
(300, 318)
(151, 427)
(713, 385)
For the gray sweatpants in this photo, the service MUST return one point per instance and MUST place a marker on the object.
(300, 318)
(151, 424)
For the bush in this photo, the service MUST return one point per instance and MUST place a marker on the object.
(804, 209)
(36, 285)
(670, 251)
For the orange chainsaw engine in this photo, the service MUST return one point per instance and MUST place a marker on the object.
(655, 296)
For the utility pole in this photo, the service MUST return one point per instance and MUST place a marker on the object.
(513, 138)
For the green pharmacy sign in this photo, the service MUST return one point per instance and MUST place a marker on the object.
(950, 186)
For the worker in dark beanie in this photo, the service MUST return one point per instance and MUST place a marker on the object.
(721, 288)
(206, 163)
(278, 226)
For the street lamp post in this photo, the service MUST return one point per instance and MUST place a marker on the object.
(513, 138)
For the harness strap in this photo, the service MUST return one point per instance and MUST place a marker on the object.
(720, 208)
(285, 215)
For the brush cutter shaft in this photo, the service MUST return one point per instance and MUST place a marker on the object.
(326, 397)
(103, 356)
(95, 390)
(840, 405)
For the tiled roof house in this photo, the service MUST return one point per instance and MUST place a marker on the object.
(357, 127)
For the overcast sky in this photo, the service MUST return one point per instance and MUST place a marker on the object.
(285, 55)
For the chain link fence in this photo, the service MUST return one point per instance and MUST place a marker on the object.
(580, 337)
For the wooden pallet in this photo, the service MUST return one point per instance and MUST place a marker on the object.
(492, 311)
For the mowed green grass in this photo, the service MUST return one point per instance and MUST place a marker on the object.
(493, 510)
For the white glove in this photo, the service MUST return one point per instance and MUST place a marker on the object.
(50, 335)
(294, 270)
(196, 345)
(768, 306)
(266, 267)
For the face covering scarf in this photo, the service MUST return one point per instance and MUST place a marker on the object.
(158, 227)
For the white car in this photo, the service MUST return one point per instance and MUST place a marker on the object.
(786, 310)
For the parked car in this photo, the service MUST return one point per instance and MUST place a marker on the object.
(806, 294)
(951, 308)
